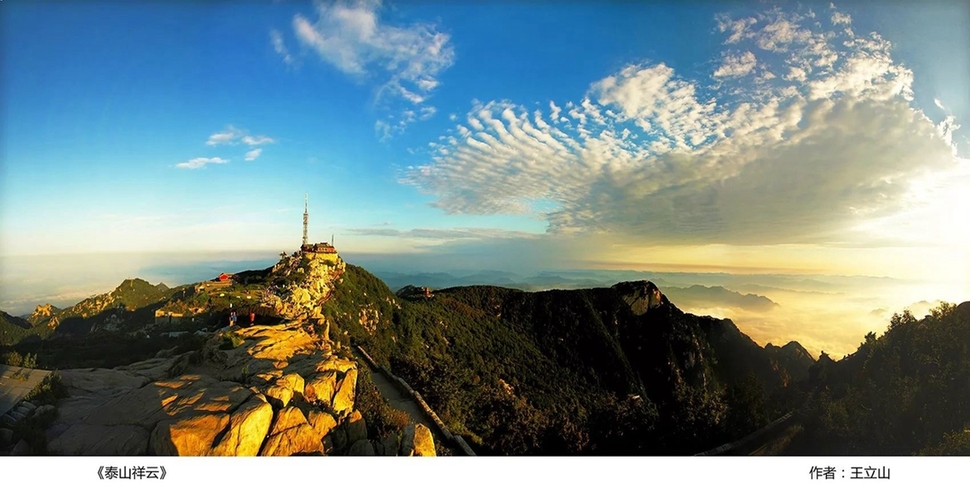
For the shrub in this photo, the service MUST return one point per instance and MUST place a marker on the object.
(13, 359)
(49, 390)
(381, 418)
(231, 340)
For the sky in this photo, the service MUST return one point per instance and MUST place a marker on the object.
(723, 137)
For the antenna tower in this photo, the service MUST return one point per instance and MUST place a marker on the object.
(306, 216)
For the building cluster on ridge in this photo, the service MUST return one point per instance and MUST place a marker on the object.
(324, 250)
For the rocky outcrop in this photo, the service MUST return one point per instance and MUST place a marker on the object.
(640, 296)
(417, 440)
(282, 390)
(42, 314)
(311, 279)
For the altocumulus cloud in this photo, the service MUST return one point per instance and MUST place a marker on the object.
(405, 59)
(803, 131)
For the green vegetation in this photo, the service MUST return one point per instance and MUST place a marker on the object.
(230, 340)
(903, 393)
(48, 391)
(565, 372)
(13, 330)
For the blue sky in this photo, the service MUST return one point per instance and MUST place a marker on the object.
(740, 137)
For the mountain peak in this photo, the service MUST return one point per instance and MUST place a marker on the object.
(640, 295)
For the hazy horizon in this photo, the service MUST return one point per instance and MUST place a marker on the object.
(822, 312)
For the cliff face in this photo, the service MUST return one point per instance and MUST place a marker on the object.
(260, 390)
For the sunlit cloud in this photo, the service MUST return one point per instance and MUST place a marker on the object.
(825, 139)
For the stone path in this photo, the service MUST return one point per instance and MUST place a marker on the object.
(13, 389)
(400, 400)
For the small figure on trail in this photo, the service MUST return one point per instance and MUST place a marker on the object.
(232, 319)
(252, 318)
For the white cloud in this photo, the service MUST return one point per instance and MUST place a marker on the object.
(279, 46)
(736, 65)
(651, 157)
(406, 59)
(938, 103)
(196, 163)
(555, 110)
(257, 140)
(840, 18)
(252, 155)
(224, 137)
(739, 28)
(231, 135)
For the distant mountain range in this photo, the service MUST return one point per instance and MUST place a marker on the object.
(689, 297)
(610, 370)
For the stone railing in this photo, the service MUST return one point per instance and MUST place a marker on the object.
(403, 386)
(739, 443)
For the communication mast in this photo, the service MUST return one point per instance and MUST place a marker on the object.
(306, 217)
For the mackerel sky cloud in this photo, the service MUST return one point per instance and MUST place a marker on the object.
(786, 142)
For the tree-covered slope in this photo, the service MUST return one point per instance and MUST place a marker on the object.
(605, 370)
(905, 392)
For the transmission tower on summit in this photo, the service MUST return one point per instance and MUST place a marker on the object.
(306, 217)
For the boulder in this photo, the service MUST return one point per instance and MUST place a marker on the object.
(289, 417)
(417, 441)
(267, 376)
(28, 405)
(292, 434)
(248, 427)
(321, 422)
(279, 343)
(343, 399)
(356, 427)
(336, 363)
(191, 435)
(362, 447)
(423, 441)
(278, 395)
(6, 436)
(391, 444)
(336, 440)
(293, 381)
(321, 387)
